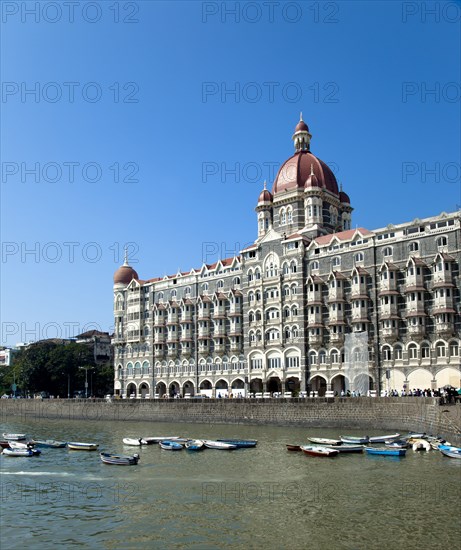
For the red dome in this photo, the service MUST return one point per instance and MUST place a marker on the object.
(124, 275)
(301, 127)
(296, 171)
(265, 196)
(344, 197)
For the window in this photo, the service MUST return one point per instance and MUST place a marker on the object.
(425, 351)
(387, 353)
(442, 241)
(441, 349)
(336, 261)
(412, 351)
(283, 217)
(454, 349)
(314, 265)
(413, 247)
(398, 352)
(359, 257)
(220, 284)
(387, 251)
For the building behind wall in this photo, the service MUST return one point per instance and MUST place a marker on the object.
(275, 317)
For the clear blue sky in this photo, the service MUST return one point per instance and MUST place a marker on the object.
(148, 99)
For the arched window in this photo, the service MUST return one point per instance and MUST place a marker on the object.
(442, 241)
(187, 291)
(286, 268)
(289, 215)
(441, 349)
(413, 247)
(387, 251)
(314, 265)
(236, 281)
(412, 351)
(257, 274)
(336, 262)
(220, 284)
(205, 287)
(283, 217)
(359, 257)
(293, 266)
(387, 353)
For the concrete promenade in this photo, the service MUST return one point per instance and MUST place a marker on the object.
(402, 414)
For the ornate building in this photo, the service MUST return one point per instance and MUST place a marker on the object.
(277, 317)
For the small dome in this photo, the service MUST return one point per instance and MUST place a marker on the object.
(344, 197)
(265, 196)
(124, 275)
(301, 127)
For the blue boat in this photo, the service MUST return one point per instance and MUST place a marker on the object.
(385, 452)
(170, 445)
(194, 445)
(240, 443)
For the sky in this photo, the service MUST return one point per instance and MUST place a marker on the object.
(153, 125)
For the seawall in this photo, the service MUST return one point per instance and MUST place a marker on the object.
(386, 413)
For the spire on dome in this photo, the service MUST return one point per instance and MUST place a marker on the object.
(125, 262)
(265, 185)
(312, 169)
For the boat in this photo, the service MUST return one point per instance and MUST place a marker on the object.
(324, 441)
(452, 452)
(157, 439)
(134, 442)
(415, 435)
(293, 447)
(241, 443)
(220, 445)
(347, 448)
(420, 444)
(355, 440)
(14, 437)
(20, 445)
(21, 451)
(314, 450)
(194, 445)
(384, 451)
(4, 444)
(52, 443)
(117, 460)
(168, 445)
(76, 446)
(383, 438)
(397, 444)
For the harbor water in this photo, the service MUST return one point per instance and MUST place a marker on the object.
(263, 497)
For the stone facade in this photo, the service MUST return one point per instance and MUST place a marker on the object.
(277, 318)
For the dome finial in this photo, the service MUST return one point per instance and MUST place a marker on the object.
(312, 169)
(341, 187)
(265, 185)
(125, 261)
(301, 116)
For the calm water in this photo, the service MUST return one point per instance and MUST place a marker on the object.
(254, 498)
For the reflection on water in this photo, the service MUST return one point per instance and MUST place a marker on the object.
(255, 498)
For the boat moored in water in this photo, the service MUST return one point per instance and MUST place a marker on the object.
(219, 445)
(314, 450)
(397, 444)
(117, 460)
(14, 437)
(383, 438)
(78, 446)
(168, 445)
(293, 447)
(450, 451)
(194, 445)
(240, 443)
(51, 443)
(384, 451)
(21, 451)
(355, 440)
(324, 441)
(157, 439)
(420, 444)
(134, 442)
(347, 448)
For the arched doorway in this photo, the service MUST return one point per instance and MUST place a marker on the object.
(131, 390)
(338, 385)
(274, 384)
(293, 385)
(221, 388)
(160, 389)
(238, 388)
(173, 389)
(319, 384)
(188, 389)
(256, 385)
(206, 388)
(144, 390)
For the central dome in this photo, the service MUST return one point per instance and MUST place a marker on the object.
(295, 171)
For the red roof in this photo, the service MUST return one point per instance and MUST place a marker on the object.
(342, 235)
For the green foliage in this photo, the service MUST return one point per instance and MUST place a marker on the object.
(56, 369)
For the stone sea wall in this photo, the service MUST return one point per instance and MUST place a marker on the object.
(389, 414)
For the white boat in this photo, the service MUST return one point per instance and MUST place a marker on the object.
(77, 446)
(315, 450)
(14, 437)
(352, 440)
(420, 444)
(21, 452)
(220, 445)
(383, 438)
(347, 448)
(324, 441)
(20, 445)
(194, 445)
(450, 451)
(134, 442)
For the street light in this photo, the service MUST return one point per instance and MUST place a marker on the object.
(68, 384)
(86, 378)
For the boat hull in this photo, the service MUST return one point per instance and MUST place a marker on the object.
(383, 438)
(293, 447)
(354, 440)
(170, 446)
(51, 443)
(75, 446)
(324, 441)
(347, 448)
(14, 437)
(386, 452)
(451, 453)
(219, 445)
(115, 460)
(195, 445)
(319, 451)
(134, 442)
(21, 452)
(240, 443)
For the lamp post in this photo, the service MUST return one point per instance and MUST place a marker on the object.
(86, 379)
